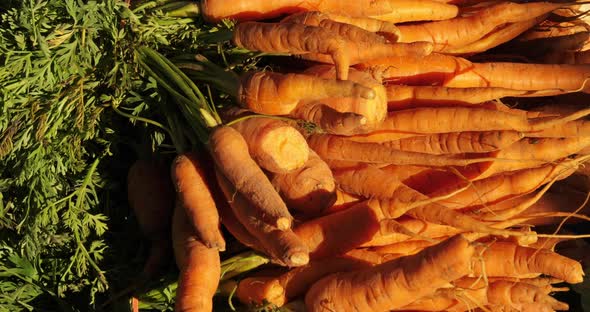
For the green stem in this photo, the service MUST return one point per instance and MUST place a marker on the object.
(146, 120)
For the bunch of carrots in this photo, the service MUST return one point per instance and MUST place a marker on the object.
(417, 187)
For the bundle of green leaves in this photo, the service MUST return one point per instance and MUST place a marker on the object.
(69, 87)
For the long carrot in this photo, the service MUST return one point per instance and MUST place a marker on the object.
(392, 10)
(400, 281)
(331, 120)
(497, 37)
(283, 245)
(344, 26)
(230, 152)
(457, 119)
(450, 71)
(302, 39)
(339, 148)
(458, 142)
(402, 97)
(200, 267)
(195, 196)
(461, 31)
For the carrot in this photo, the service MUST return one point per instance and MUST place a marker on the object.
(457, 119)
(504, 186)
(352, 28)
(393, 10)
(461, 31)
(497, 293)
(273, 144)
(400, 281)
(339, 148)
(230, 152)
(374, 109)
(458, 142)
(508, 259)
(407, 248)
(195, 196)
(282, 245)
(343, 201)
(561, 76)
(339, 232)
(279, 94)
(309, 189)
(200, 267)
(402, 97)
(530, 150)
(257, 290)
(516, 293)
(575, 128)
(151, 197)
(457, 72)
(497, 37)
(302, 39)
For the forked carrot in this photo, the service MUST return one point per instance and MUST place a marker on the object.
(230, 152)
(301, 39)
(282, 245)
(461, 31)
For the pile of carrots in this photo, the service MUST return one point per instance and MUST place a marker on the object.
(418, 189)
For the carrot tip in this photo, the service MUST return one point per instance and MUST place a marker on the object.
(283, 223)
(299, 258)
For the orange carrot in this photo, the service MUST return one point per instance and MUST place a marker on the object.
(458, 142)
(309, 189)
(195, 196)
(504, 186)
(457, 119)
(401, 281)
(402, 97)
(257, 290)
(282, 245)
(450, 71)
(509, 259)
(461, 31)
(302, 39)
(394, 10)
(278, 94)
(352, 28)
(420, 228)
(230, 152)
(339, 148)
(273, 144)
(497, 37)
(324, 235)
(199, 266)
(530, 150)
